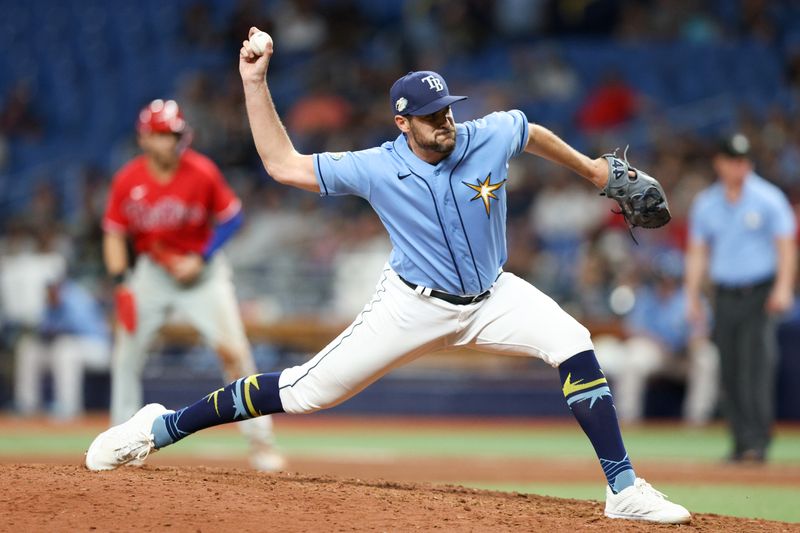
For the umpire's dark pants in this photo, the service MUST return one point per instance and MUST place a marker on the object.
(746, 337)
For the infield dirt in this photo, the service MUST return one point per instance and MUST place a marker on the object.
(217, 492)
(59, 497)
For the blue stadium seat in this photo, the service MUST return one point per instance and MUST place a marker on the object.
(96, 65)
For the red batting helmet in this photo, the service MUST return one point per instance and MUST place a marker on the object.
(161, 116)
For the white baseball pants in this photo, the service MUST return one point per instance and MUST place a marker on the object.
(630, 363)
(67, 357)
(398, 325)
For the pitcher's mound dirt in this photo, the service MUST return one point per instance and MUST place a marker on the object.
(38, 497)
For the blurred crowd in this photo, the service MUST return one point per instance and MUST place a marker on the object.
(333, 65)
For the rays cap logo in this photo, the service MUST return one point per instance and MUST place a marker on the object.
(420, 93)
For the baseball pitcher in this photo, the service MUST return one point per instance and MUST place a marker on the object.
(440, 190)
(176, 207)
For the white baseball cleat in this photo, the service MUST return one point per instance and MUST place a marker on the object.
(127, 442)
(136, 463)
(642, 502)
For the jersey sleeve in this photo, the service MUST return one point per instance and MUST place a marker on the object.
(509, 129)
(224, 202)
(341, 173)
(114, 219)
(782, 219)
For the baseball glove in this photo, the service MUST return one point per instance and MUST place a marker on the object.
(640, 197)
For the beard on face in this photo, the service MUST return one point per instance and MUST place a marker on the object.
(433, 144)
(163, 156)
(163, 159)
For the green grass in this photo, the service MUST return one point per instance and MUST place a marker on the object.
(560, 442)
(707, 445)
(662, 443)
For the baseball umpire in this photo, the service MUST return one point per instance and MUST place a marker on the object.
(178, 210)
(742, 232)
(439, 189)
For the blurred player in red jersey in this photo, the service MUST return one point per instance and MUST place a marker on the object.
(176, 207)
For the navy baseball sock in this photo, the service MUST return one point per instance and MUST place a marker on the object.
(245, 398)
(589, 398)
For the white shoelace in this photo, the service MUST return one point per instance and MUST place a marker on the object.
(648, 489)
(128, 453)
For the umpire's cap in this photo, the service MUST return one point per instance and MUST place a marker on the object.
(736, 145)
(420, 93)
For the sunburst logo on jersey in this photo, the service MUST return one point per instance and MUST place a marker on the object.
(485, 191)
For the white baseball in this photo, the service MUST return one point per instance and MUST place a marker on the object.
(259, 42)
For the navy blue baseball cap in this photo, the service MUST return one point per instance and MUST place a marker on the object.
(421, 93)
(736, 145)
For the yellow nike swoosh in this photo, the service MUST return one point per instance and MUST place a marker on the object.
(570, 387)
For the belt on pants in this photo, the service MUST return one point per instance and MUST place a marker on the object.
(447, 297)
(743, 290)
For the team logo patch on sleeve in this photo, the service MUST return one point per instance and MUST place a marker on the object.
(336, 155)
(485, 191)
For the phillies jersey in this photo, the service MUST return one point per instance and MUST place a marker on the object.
(178, 214)
(447, 222)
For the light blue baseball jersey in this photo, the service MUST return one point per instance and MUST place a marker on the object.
(447, 222)
(741, 236)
